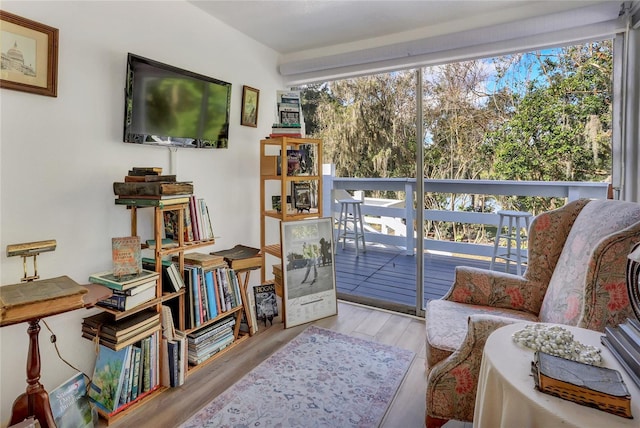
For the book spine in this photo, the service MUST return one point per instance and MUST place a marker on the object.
(223, 306)
(172, 348)
(114, 302)
(211, 295)
(189, 300)
(146, 373)
(209, 224)
(201, 228)
(127, 375)
(197, 302)
(136, 372)
(188, 227)
(194, 218)
(203, 295)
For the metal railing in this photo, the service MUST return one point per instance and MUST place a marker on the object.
(406, 213)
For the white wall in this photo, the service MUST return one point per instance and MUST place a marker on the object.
(61, 155)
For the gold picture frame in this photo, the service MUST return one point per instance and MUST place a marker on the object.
(29, 55)
(250, 100)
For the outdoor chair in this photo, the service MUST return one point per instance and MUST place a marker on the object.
(575, 276)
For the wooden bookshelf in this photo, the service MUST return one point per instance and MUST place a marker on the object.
(272, 184)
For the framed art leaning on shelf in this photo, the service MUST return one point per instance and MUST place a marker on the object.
(309, 276)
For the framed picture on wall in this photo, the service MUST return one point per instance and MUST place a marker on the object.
(250, 99)
(29, 55)
(309, 278)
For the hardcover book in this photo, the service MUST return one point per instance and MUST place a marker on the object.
(588, 385)
(121, 302)
(127, 255)
(293, 162)
(108, 378)
(124, 282)
(266, 303)
(160, 202)
(146, 178)
(241, 257)
(70, 404)
(152, 188)
(26, 300)
(171, 226)
(203, 260)
(145, 170)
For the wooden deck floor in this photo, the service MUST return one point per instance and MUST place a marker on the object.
(386, 277)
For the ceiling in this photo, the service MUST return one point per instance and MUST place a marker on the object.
(295, 26)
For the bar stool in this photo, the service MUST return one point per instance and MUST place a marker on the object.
(350, 213)
(517, 221)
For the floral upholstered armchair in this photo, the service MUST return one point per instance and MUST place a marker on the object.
(575, 276)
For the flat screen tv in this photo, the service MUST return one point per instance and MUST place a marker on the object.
(169, 106)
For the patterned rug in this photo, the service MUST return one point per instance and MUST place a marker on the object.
(320, 379)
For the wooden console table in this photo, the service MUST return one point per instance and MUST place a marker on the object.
(30, 302)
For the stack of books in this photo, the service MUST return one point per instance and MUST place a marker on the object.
(118, 334)
(171, 278)
(289, 115)
(241, 257)
(128, 291)
(147, 186)
(624, 343)
(208, 341)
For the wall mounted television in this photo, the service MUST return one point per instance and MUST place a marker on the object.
(169, 106)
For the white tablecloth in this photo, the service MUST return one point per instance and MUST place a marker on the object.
(507, 396)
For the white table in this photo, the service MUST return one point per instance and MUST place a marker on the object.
(507, 396)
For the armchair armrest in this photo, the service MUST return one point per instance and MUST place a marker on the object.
(497, 289)
(452, 383)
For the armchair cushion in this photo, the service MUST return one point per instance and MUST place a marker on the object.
(448, 325)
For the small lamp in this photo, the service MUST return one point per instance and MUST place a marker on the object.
(30, 249)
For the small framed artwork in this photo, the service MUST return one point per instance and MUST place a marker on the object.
(309, 278)
(250, 99)
(29, 55)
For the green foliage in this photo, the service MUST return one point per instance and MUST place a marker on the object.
(541, 116)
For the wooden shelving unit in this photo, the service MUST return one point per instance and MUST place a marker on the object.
(161, 297)
(273, 157)
(180, 250)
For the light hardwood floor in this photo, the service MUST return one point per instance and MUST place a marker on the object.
(175, 405)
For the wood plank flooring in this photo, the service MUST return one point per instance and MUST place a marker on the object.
(176, 405)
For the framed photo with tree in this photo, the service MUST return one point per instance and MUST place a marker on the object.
(309, 279)
(250, 99)
(29, 55)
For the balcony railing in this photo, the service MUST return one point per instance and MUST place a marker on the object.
(395, 214)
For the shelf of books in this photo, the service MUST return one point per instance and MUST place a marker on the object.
(172, 311)
(290, 185)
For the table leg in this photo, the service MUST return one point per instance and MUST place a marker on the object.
(35, 401)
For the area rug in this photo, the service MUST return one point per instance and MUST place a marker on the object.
(320, 379)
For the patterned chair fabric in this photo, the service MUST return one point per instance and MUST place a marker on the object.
(575, 276)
